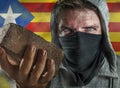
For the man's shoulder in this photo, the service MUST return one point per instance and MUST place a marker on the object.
(118, 64)
(118, 60)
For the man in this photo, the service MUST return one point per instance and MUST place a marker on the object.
(80, 28)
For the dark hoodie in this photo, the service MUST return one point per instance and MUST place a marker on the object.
(107, 76)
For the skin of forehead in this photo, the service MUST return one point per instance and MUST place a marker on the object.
(79, 16)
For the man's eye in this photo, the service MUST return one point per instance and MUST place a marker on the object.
(89, 29)
(65, 32)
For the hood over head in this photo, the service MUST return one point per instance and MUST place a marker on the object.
(103, 14)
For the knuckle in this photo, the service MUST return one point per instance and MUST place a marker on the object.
(23, 73)
(35, 77)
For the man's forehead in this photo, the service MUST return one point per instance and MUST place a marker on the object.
(78, 15)
(79, 18)
(72, 14)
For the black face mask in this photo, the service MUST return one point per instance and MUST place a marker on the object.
(82, 52)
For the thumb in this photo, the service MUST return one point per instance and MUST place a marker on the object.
(6, 65)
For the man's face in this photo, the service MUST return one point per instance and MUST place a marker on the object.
(86, 20)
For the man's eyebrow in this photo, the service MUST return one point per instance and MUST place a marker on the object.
(66, 27)
(92, 25)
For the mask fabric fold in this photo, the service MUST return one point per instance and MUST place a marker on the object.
(82, 55)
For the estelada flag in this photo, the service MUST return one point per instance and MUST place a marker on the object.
(35, 16)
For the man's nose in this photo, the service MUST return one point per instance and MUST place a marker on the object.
(80, 30)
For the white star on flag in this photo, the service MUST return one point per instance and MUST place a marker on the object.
(10, 17)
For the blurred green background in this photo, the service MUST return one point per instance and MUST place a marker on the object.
(5, 81)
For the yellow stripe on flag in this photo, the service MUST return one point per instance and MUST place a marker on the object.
(45, 35)
(45, 17)
(115, 17)
(39, 1)
(118, 53)
(48, 1)
(115, 36)
(112, 1)
(41, 17)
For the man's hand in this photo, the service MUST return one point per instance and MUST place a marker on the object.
(34, 71)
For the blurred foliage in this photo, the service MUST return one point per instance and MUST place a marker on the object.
(4, 83)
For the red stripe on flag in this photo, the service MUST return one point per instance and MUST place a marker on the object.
(114, 26)
(116, 46)
(39, 26)
(38, 7)
(114, 7)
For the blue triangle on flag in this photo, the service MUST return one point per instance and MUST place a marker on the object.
(23, 19)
